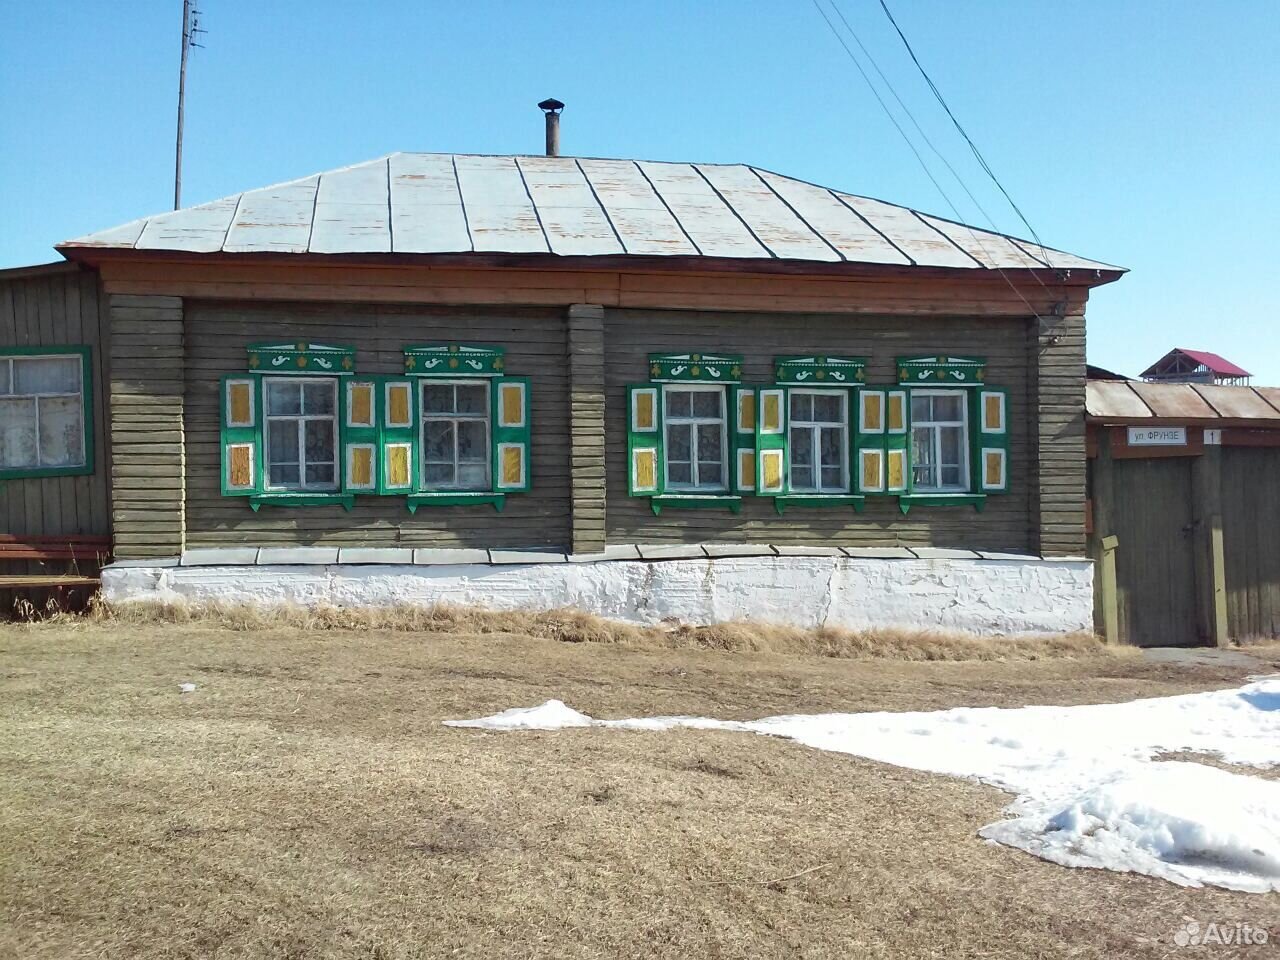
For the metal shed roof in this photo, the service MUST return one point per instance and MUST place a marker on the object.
(432, 203)
(1132, 401)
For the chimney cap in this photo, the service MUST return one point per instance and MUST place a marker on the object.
(551, 105)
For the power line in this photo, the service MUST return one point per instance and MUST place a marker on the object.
(982, 161)
(924, 166)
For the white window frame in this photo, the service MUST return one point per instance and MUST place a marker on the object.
(300, 421)
(936, 438)
(692, 422)
(813, 428)
(35, 399)
(487, 418)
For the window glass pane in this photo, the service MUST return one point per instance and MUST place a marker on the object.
(923, 474)
(46, 375)
(283, 398)
(319, 474)
(801, 477)
(438, 441)
(4, 377)
(951, 437)
(709, 475)
(439, 474)
(921, 407)
(801, 406)
(319, 398)
(832, 478)
(473, 476)
(473, 397)
(679, 471)
(61, 437)
(827, 408)
(947, 407)
(950, 476)
(679, 403)
(283, 475)
(706, 403)
(282, 442)
(319, 437)
(678, 442)
(473, 441)
(801, 446)
(709, 442)
(437, 398)
(831, 446)
(17, 433)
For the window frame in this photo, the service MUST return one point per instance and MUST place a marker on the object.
(300, 419)
(693, 486)
(488, 419)
(966, 481)
(86, 393)
(813, 428)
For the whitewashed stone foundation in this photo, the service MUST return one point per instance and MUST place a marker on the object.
(981, 596)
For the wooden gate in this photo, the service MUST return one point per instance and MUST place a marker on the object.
(1146, 504)
(1251, 538)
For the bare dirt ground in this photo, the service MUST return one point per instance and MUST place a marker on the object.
(306, 802)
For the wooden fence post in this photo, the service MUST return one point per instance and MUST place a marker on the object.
(1110, 592)
(1211, 568)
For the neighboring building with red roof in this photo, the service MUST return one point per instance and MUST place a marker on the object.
(1195, 366)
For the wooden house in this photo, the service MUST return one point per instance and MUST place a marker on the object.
(528, 363)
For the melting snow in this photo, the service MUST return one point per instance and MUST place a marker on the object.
(1089, 792)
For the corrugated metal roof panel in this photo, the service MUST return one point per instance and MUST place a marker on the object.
(1236, 402)
(1175, 401)
(426, 207)
(849, 233)
(1113, 398)
(447, 203)
(353, 210)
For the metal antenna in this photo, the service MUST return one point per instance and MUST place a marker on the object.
(190, 30)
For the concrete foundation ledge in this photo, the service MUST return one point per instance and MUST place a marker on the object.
(1007, 595)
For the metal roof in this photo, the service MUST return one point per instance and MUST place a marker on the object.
(432, 203)
(1211, 361)
(1132, 400)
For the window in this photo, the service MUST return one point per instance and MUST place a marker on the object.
(818, 441)
(695, 437)
(301, 433)
(939, 440)
(455, 435)
(43, 420)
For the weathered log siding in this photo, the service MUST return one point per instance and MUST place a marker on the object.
(535, 341)
(1006, 524)
(1058, 462)
(59, 308)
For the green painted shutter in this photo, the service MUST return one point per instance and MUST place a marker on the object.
(772, 478)
(241, 420)
(867, 466)
(742, 439)
(398, 436)
(897, 440)
(358, 427)
(989, 439)
(511, 445)
(644, 440)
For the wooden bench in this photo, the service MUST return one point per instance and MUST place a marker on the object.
(70, 546)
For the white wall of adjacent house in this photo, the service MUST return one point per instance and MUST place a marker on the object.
(980, 596)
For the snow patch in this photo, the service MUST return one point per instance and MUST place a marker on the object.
(1089, 792)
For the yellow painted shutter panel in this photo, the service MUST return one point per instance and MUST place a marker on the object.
(771, 411)
(398, 404)
(241, 403)
(771, 465)
(361, 412)
(871, 470)
(240, 471)
(872, 412)
(398, 465)
(746, 411)
(512, 465)
(362, 466)
(897, 405)
(994, 469)
(897, 461)
(645, 462)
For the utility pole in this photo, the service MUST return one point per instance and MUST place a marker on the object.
(190, 28)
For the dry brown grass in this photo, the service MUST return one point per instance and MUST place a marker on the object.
(306, 802)
(575, 626)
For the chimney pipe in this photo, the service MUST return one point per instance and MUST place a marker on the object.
(552, 108)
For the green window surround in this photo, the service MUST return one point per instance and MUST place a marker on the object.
(46, 412)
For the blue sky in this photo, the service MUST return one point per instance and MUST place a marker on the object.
(1140, 133)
